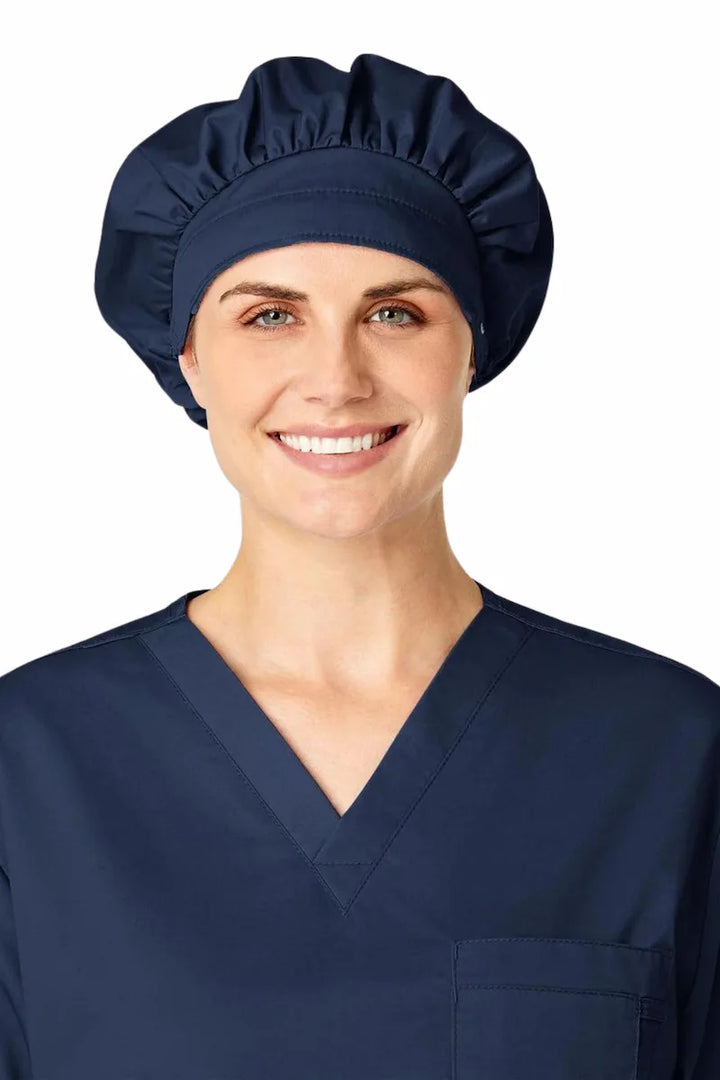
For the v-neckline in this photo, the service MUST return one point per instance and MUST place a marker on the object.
(343, 848)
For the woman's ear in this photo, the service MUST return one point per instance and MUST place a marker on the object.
(188, 364)
(190, 369)
(187, 358)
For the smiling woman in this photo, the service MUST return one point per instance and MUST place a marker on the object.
(350, 812)
(336, 340)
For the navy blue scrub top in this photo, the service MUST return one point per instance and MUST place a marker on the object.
(527, 888)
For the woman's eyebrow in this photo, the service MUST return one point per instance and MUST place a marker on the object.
(377, 292)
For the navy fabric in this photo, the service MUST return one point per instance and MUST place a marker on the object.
(382, 156)
(527, 887)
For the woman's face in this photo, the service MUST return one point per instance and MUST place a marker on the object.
(266, 361)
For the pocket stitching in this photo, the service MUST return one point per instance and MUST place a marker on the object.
(641, 1000)
(573, 941)
(550, 989)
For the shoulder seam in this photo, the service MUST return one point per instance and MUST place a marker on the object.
(644, 654)
(106, 637)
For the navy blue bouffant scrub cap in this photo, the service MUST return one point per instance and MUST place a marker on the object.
(382, 156)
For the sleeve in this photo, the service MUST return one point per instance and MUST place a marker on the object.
(699, 1027)
(14, 1051)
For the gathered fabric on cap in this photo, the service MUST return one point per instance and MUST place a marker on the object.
(382, 156)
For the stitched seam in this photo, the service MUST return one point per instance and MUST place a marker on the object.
(644, 655)
(314, 191)
(549, 989)
(120, 636)
(575, 941)
(235, 765)
(425, 788)
(638, 1036)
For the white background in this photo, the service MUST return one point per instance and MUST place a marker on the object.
(587, 483)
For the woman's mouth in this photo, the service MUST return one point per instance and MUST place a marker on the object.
(339, 457)
(345, 445)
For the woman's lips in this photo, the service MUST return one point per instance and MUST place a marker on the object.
(339, 464)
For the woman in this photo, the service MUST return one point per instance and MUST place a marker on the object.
(349, 813)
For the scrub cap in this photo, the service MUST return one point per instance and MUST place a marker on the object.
(382, 156)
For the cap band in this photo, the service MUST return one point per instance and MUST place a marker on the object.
(341, 194)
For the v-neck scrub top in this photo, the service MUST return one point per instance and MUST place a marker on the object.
(527, 887)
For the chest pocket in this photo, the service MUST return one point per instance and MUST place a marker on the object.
(556, 1008)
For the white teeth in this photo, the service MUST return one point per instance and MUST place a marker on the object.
(347, 445)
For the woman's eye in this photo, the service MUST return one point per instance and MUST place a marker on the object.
(268, 311)
(397, 309)
(391, 310)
